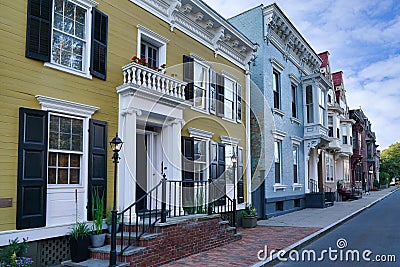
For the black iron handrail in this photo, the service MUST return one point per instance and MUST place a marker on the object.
(314, 188)
(139, 228)
(173, 206)
(203, 200)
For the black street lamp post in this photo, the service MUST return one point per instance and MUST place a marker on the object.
(116, 145)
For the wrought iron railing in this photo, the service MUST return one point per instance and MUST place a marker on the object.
(170, 199)
(135, 228)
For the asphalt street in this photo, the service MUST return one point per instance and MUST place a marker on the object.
(372, 238)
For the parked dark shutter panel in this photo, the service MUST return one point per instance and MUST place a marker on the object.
(38, 30)
(32, 169)
(97, 160)
(220, 95)
(98, 65)
(188, 76)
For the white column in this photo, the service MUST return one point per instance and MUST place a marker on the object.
(171, 144)
(306, 174)
(248, 151)
(127, 166)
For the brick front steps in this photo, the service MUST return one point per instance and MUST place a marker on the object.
(177, 238)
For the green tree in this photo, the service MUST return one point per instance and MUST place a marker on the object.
(390, 160)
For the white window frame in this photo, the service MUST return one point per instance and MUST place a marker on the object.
(88, 5)
(234, 81)
(206, 67)
(152, 38)
(329, 168)
(58, 106)
(69, 152)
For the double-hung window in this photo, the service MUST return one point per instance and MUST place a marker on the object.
(200, 160)
(276, 89)
(201, 73)
(68, 35)
(309, 104)
(330, 126)
(277, 160)
(209, 91)
(344, 135)
(321, 102)
(65, 150)
(294, 101)
(230, 99)
(295, 164)
(150, 53)
(69, 42)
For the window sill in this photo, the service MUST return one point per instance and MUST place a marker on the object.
(230, 120)
(279, 187)
(204, 111)
(295, 120)
(278, 112)
(71, 71)
(297, 186)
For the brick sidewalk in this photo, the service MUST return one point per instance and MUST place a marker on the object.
(244, 252)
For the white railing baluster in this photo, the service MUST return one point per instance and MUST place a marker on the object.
(142, 76)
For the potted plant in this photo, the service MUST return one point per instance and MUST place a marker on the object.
(109, 218)
(98, 237)
(79, 241)
(249, 216)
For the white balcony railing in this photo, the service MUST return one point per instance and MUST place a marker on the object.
(142, 76)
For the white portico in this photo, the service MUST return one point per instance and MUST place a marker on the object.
(151, 108)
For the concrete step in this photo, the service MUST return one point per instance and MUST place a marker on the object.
(106, 250)
(92, 263)
(125, 236)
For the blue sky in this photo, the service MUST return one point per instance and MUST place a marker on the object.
(363, 39)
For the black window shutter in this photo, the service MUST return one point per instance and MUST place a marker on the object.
(38, 30)
(220, 95)
(32, 169)
(97, 161)
(188, 157)
(239, 103)
(98, 62)
(213, 91)
(188, 76)
(220, 183)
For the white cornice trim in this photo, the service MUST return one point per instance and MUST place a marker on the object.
(85, 3)
(194, 132)
(154, 35)
(229, 140)
(296, 140)
(59, 105)
(210, 31)
(277, 25)
(279, 135)
(201, 60)
(296, 81)
(277, 65)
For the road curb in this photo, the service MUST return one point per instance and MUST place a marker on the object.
(323, 231)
